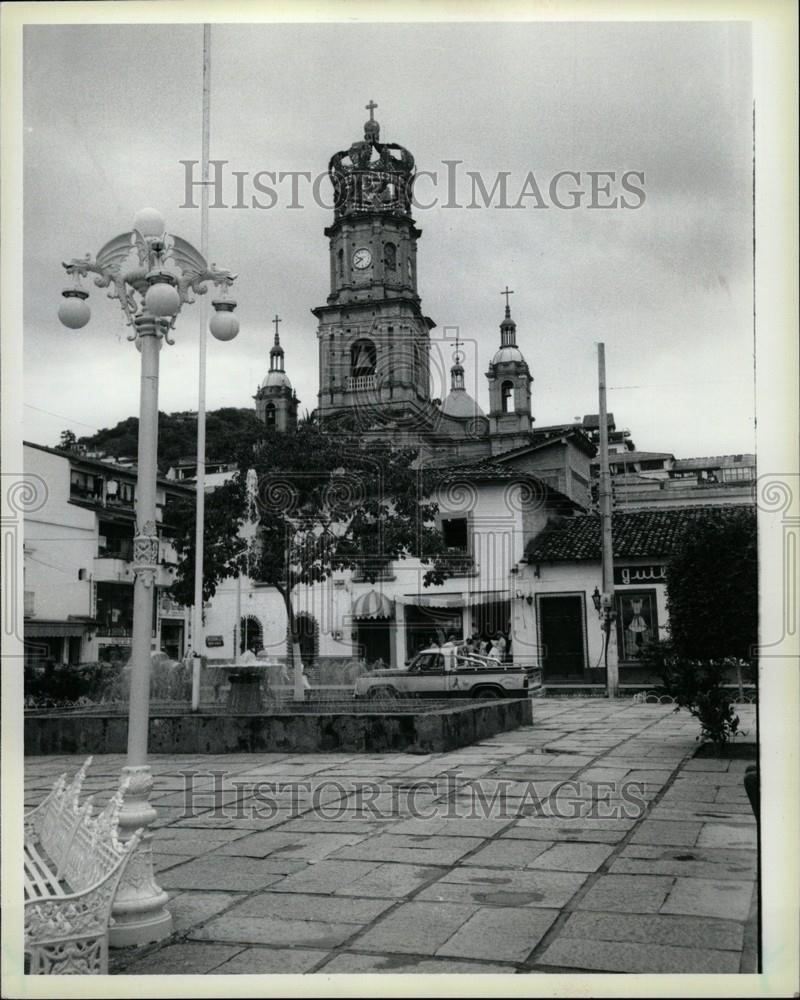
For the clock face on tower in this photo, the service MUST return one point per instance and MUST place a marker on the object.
(362, 259)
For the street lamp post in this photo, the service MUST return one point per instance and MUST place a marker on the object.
(152, 274)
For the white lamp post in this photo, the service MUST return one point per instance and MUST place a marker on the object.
(152, 274)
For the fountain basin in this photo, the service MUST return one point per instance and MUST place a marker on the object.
(411, 726)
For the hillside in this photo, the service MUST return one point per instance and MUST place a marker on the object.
(177, 435)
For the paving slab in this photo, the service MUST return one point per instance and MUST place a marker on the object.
(698, 862)
(351, 962)
(503, 934)
(572, 857)
(710, 898)
(680, 931)
(275, 931)
(578, 955)
(296, 906)
(271, 961)
(667, 833)
(191, 907)
(627, 893)
(419, 928)
(728, 835)
(520, 888)
(185, 958)
(215, 872)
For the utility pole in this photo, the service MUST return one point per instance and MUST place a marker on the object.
(200, 480)
(607, 598)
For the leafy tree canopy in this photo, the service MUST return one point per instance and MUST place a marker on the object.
(313, 504)
(227, 429)
(712, 587)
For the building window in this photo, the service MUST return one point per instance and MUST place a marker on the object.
(742, 474)
(362, 358)
(454, 533)
(637, 623)
(115, 541)
(114, 609)
(390, 256)
(340, 263)
(269, 415)
(506, 396)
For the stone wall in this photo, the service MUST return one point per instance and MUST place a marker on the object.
(424, 731)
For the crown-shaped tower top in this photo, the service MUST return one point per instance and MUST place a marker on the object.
(372, 176)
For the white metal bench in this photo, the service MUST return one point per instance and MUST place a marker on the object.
(73, 863)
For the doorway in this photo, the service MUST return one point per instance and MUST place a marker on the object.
(172, 639)
(562, 637)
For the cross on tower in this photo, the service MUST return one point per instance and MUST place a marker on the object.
(507, 291)
(276, 321)
(371, 107)
(457, 351)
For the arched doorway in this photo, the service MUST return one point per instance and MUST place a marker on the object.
(251, 634)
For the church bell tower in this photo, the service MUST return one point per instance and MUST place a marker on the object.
(509, 389)
(374, 346)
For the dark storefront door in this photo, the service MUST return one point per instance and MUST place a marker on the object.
(172, 639)
(561, 634)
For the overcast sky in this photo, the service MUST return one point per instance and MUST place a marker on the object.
(110, 111)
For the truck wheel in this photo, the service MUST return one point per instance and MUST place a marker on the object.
(487, 693)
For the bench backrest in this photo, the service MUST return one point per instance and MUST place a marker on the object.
(83, 847)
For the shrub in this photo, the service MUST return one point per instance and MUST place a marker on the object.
(698, 686)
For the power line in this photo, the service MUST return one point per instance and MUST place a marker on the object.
(61, 416)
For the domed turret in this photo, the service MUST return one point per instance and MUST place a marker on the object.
(509, 382)
(459, 404)
(276, 403)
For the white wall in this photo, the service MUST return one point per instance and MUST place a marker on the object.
(582, 578)
(60, 539)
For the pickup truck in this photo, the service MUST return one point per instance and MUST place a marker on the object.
(445, 672)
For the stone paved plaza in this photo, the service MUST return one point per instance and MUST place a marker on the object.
(592, 840)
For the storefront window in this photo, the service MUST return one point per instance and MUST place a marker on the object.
(637, 623)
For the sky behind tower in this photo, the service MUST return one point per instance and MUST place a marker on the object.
(110, 113)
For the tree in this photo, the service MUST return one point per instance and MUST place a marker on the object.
(323, 503)
(712, 587)
(69, 442)
(712, 600)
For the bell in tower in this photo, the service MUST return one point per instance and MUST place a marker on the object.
(374, 347)
(276, 401)
(509, 388)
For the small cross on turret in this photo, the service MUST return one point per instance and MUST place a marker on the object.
(371, 107)
(276, 320)
(507, 291)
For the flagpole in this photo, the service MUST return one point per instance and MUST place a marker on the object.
(197, 627)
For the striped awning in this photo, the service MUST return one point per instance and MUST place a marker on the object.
(372, 605)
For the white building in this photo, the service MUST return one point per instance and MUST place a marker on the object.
(487, 512)
(78, 561)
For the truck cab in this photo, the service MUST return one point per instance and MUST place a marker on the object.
(445, 671)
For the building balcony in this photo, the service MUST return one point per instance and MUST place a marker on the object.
(110, 569)
(361, 383)
(460, 564)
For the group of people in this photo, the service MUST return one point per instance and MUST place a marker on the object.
(494, 645)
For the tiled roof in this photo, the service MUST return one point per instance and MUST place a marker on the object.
(635, 533)
(492, 471)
